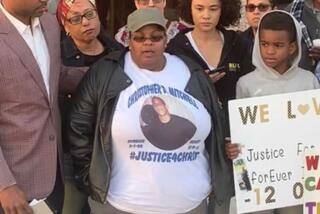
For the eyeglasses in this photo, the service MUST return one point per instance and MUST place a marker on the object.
(146, 2)
(90, 14)
(261, 7)
(152, 38)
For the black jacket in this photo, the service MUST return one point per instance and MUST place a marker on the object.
(248, 37)
(91, 118)
(71, 56)
(235, 58)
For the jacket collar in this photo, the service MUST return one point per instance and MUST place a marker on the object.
(248, 34)
(4, 23)
(123, 81)
(68, 46)
(230, 40)
(118, 56)
(14, 40)
(70, 49)
(192, 65)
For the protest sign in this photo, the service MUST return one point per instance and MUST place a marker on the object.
(273, 132)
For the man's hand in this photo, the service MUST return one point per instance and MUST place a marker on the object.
(13, 201)
(314, 53)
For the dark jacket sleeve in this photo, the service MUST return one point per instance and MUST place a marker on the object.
(69, 78)
(246, 61)
(222, 167)
(81, 128)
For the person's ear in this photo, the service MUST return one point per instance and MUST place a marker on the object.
(293, 47)
(66, 29)
(129, 44)
(129, 40)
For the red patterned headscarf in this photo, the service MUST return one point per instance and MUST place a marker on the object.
(63, 8)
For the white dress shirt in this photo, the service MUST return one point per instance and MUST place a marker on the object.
(34, 38)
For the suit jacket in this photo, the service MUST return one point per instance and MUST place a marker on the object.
(30, 140)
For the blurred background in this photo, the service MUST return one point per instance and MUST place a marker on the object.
(113, 13)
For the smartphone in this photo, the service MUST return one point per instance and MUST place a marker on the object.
(218, 69)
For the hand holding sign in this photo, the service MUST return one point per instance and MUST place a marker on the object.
(232, 149)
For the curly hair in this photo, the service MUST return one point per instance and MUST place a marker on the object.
(230, 12)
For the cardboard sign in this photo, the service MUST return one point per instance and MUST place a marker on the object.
(273, 132)
(311, 181)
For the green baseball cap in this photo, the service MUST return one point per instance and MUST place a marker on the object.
(146, 16)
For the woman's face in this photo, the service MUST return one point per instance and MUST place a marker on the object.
(255, 9)
(82, 22)
(160, 4)
(147, 46)
(205, 14)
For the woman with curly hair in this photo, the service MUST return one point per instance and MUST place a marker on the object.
(219, 51)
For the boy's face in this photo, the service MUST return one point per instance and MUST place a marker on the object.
(255, 9)
(276, 49)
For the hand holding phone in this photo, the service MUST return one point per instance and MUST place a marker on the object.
(217, 73)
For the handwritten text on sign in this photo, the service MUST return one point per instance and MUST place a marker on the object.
(312, 181)
(273, 132)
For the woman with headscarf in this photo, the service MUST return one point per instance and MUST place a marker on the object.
(82, 44)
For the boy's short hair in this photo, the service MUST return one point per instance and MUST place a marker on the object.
(279, 21)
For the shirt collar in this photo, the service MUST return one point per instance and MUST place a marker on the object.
(68, 46)
(20, 26)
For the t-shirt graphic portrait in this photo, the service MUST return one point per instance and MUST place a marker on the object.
(161, 128)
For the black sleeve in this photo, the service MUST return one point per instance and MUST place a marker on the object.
(246, 61)
(81, 128)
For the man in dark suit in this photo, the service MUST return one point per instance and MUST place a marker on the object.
(30, 73)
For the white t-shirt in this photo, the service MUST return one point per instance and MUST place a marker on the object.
(159, 166)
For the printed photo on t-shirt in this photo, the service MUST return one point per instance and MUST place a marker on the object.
(161, 124)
